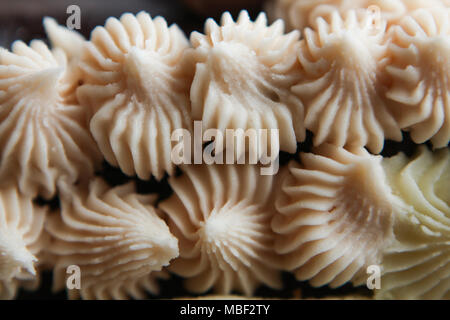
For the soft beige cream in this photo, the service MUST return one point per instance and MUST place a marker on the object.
(137, 288)
(335, 216)
(221, 216)
(244, 71)
(341, 85)
(22, 239)
(136, 86)
(70, 41)
(299, 14)
(419, 71)
(114, 235)
(352, 78)
(43, 133)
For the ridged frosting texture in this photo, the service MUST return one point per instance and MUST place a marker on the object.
(335, 216)
(299, 14)
(221, 216)
(137, 288)
(43, 131)
(420, 73)
(342, 84)
(137, 88)
(244, 71)
(70, 41)
(417, 266)
(114, 235)
(9, 288)
(22, 238)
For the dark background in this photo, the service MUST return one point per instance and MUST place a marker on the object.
(22, 19)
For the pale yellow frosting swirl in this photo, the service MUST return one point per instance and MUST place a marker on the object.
(417, 265)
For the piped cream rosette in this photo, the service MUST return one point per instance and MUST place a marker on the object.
(114, 235)
(243, 73)
(136, 85)
(335, 216)
(419, 71)
(221, 216)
